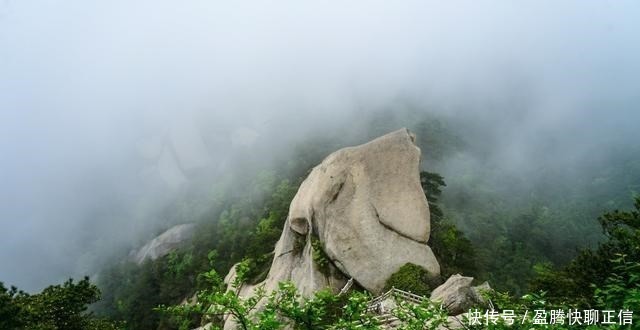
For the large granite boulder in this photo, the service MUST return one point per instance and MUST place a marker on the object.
(164, 243)
(458, 296)
(365, 209)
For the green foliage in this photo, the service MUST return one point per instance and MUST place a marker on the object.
(411, 278)
(287, 308)
(454, 251)
(612, 262)
(243, 228)
(315, 312)
(132, 291)
(579, 284)
(432, 184)
(179, 263)
(57, 307)
(258, 268)
(11, 313)
(622, 288)
(267, 231)
(242, 270)
(354, 314)
(518, 219)
(284, 307)
(229, 303)
(61, 306)
(319, 256)
(423, 316)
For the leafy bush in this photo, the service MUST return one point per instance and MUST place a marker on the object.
(622, 288)
(412, 278)
(319, 256)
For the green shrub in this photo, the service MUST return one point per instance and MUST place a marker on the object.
(412, 278)
(319, 256)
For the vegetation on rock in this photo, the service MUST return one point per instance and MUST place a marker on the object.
(320, 258)
(411, 278)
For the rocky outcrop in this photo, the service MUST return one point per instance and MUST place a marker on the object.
(457, 295)
(366, 208)
(207, 326)
(164, 243)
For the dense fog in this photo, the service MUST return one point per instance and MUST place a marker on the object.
(108, 109)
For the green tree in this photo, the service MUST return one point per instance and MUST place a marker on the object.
(432, 184)
(612, 261)
(57, 307)
(454, 251)
(11, 313)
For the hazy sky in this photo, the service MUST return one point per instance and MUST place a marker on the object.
(98, 96)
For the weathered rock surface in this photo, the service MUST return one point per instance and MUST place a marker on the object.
(207, 326)
(457, 295)
(164, 243)
(366, 206)
(453, 322)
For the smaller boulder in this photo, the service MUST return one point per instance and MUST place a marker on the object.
(479, 290)
(458, 296)
(453, 322)
(207, 326)
(163, 244)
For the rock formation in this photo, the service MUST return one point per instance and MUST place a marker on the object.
(457, 295)
(164, 243)
(366, 208)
